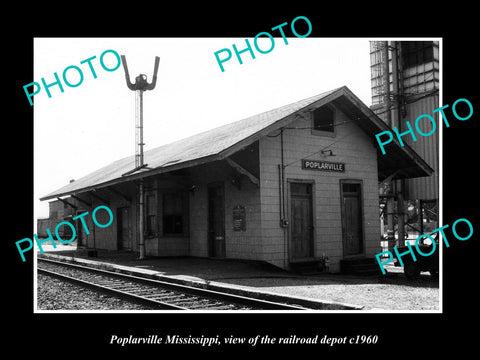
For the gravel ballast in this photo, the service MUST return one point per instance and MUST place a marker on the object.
(390, 292)
(54, 294)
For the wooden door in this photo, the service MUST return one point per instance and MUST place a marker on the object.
(216, 221)
(124, 230)
(352, 219)
(301, 227)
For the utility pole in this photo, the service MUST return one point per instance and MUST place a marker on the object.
(398, 92)
(139, 87)
(389, 121)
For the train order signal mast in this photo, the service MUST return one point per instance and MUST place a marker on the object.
(139, 87)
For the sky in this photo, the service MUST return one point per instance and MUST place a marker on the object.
(89, 126)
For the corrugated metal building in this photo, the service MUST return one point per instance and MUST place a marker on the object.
(405, 79)
(413, 90)
(291, 185)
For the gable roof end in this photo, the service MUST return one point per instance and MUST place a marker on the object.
(223, 141)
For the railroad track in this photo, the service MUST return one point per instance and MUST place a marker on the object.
(154, 293)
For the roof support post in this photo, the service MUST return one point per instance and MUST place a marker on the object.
(388, 178)
(99, 198)
(243, 171)
(119, 193)
(66, 203)
(81, 200)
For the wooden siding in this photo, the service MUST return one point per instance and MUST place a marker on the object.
(350, 146)
(238, 244)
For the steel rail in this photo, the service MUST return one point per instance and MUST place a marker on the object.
(111, 291)
(224, 297)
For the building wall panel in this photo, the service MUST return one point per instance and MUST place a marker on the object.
(350, 146)
(238, 244)
(425, 188)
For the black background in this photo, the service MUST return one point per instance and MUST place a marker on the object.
(60, 335)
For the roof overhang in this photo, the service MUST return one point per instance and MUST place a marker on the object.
(404, 162)
(400, 159)
(140, 174)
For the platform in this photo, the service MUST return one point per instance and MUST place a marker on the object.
(254, 278)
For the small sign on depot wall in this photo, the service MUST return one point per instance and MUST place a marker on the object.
(322, 165)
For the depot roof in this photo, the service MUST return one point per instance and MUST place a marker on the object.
(221, 142)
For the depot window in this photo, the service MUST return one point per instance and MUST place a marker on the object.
(173, 214)
(323, 121)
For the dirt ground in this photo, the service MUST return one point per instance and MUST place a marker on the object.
(392, 292)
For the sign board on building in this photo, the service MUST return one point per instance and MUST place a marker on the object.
(322, 165)
(239, 221)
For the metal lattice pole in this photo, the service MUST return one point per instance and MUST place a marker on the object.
(139, 87)
(139, 128)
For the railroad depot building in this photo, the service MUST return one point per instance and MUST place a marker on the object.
(292, 185)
